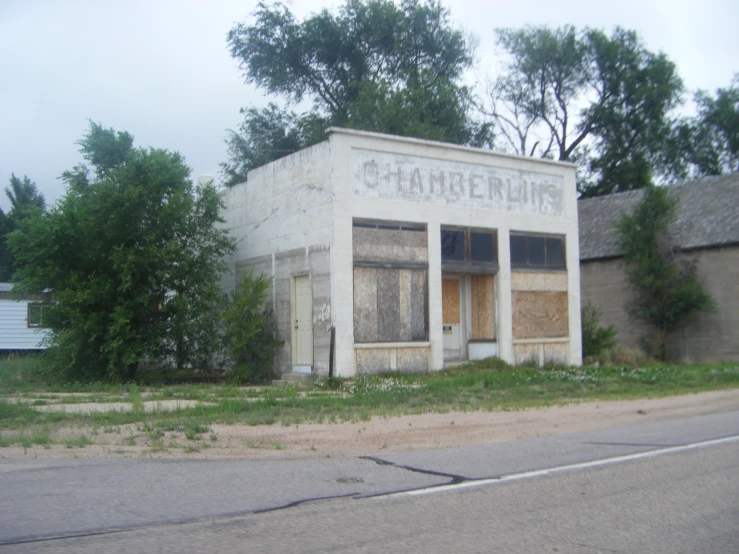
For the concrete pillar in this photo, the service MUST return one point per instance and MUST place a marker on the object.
(505, 310)
(436, 327)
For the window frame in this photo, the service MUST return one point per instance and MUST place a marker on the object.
(42, 308)
(467, 265)
(415, 267)
(562, 266)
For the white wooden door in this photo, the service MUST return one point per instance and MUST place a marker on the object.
(303, 321)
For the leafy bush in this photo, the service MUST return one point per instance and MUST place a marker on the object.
(250, 331)
(128, 259)
(595, 339)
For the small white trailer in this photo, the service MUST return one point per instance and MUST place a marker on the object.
(22, 325)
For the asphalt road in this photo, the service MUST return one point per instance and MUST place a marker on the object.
(630, 489)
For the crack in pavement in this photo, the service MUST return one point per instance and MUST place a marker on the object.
(29, 539)
(455, 479)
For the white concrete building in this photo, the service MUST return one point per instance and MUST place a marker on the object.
(417, 253)
(21, 321)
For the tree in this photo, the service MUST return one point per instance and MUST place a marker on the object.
(23, 194)
(25, 201)
(667, 292)
(127, 260)
(266, 135)
(711, 139)
(374, 66)
(586, 97)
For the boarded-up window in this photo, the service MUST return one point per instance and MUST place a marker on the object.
(390, 305)
(450, 295)
(390, 282)
(540, 314)
(483, 308)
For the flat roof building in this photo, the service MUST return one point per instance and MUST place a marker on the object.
(416, 253)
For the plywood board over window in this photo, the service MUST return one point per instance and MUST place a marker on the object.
(483, 307)
(540, 314)
(389, 305)
(450, 301)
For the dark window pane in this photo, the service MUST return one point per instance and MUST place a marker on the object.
(452, 246)
(35, 315)
(536, 251)
(481, 247)
(554, 253)
(518, 250)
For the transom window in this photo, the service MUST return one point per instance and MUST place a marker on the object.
(468, 246)
(537, 251)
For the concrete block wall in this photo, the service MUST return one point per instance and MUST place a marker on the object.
(709, 337)
(713, 337)
(604, 284)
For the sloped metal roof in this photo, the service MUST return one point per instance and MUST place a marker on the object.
(707, 214)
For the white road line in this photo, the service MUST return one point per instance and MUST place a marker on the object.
(571, 467)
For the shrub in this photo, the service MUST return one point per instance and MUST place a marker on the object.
(595, 339)
(250, 331)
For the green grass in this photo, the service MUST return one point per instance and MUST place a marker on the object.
(79, 441)
(487, 385)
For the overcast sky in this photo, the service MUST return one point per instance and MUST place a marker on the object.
(160, 69)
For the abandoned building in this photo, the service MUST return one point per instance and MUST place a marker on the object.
(705, 231)
(391, 253)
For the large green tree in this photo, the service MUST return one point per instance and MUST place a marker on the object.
(128, 260)
(25, 201)
(708, 143)
(667, 293)
(583, 96)
(372, 65)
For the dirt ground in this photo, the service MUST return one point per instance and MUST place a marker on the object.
(379, 435)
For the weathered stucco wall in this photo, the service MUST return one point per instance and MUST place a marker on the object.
(285, 205)
(709, 337)
(281, 220)
(296, 216)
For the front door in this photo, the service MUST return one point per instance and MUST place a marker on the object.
(303, 326)
(451, 312)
